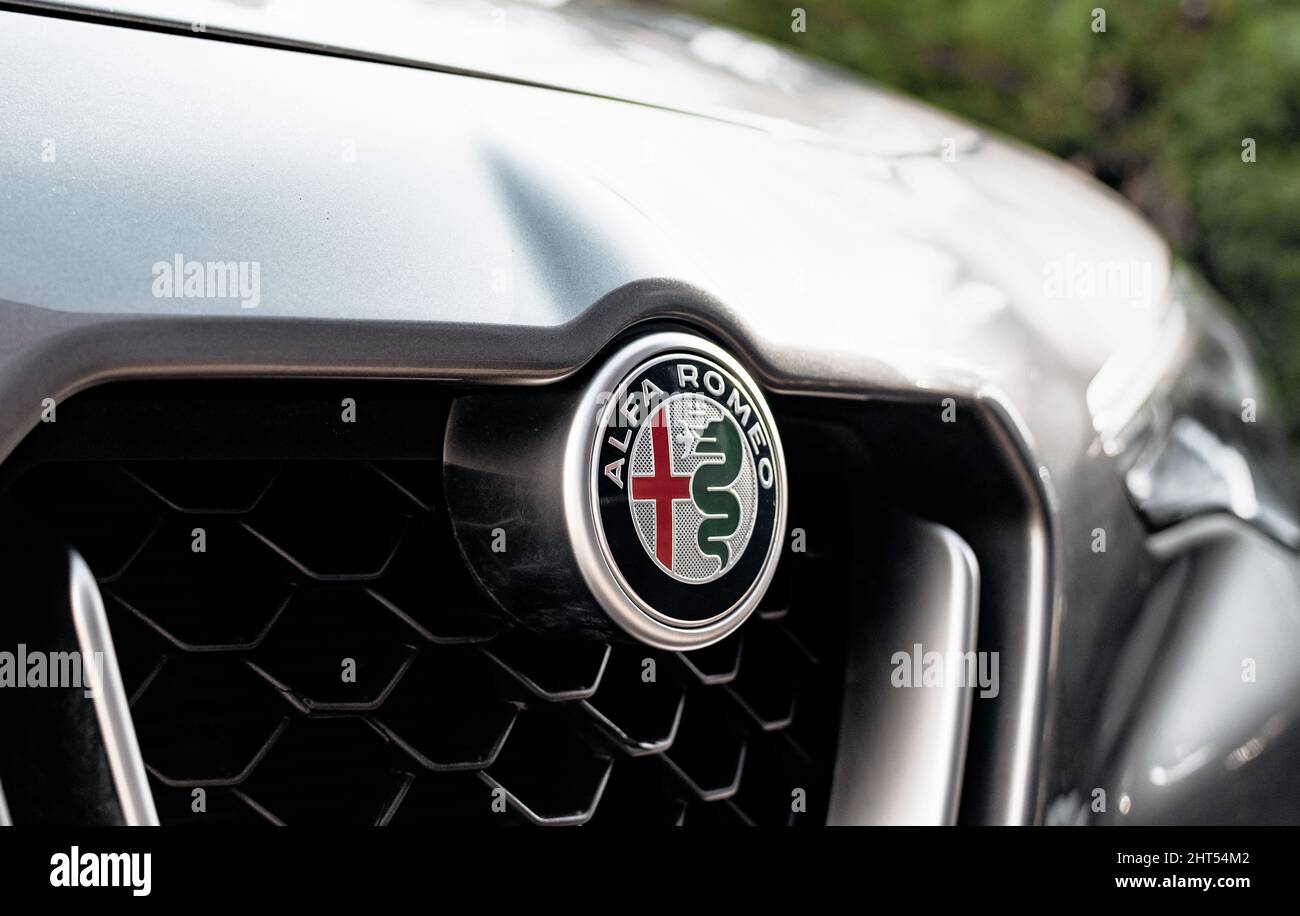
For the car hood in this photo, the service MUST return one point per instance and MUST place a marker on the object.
(644, 55)
(378, 193)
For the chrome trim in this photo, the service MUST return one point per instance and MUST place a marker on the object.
(111, 706)
(581, 504)
(5, 819)
(1173, 542)
(1035, 621)
(903, 750)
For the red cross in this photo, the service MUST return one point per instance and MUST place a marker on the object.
(663, 486)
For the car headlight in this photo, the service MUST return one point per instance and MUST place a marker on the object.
(1186, 414)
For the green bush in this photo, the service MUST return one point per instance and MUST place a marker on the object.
(1157, 106)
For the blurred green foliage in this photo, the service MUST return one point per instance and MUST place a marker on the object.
(1158, 106)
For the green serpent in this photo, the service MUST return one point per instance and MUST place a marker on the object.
(708, 489)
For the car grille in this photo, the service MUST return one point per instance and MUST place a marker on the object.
(302, 641)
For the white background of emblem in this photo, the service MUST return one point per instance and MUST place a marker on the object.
(693, 566)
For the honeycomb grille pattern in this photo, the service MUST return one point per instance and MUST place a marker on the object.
(301, 641)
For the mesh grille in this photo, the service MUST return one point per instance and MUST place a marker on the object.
(326, 658)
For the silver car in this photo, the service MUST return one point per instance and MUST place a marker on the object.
(490, 413)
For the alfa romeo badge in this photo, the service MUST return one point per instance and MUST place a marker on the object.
(683, 491)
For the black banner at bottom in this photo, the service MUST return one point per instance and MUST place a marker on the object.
(326, 865)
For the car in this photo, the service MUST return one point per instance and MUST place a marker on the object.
(479, 414)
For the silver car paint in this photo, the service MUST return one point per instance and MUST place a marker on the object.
(495, 229)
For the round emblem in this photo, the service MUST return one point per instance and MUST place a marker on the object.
(683, 506)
